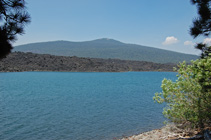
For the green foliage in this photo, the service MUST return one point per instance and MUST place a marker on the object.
(188, 99)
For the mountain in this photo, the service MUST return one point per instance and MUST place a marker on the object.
(106, 48)
(19, 61)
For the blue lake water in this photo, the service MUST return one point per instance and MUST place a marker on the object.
(79, 106)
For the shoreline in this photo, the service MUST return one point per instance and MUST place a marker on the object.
(19, 61)
(85, 71)
(167, 132)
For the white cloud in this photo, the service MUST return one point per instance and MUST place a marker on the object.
(189, 43)
(170, 40)
(207, 41)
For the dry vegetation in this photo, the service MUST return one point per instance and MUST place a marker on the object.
(20, 61)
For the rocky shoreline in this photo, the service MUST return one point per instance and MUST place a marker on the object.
(168, 132)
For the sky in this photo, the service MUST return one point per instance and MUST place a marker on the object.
(160, 24)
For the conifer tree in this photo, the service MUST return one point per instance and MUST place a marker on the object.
(13, 18)
(188, 99)
(202, 24)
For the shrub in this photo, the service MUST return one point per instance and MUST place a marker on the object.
(188, 99)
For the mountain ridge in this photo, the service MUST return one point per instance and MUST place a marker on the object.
(106, 48)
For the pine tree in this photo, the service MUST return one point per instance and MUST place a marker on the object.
(189, 98)
(13, 18)
(202, 24)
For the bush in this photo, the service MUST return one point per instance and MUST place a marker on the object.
(188, 99)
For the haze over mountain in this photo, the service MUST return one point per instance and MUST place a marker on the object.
(106, 48)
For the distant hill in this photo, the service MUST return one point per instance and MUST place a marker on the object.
(106, 48)
(19, 61)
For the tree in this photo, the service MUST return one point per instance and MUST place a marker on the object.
(189, 98)
(202, 24)
(13, 18)
(187, 101)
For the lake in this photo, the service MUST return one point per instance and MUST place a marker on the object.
(79, 106)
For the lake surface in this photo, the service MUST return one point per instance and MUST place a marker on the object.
(79, 106)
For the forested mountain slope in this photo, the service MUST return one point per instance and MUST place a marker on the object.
(106, 48)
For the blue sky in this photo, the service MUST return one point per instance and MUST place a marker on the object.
(156, 23)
